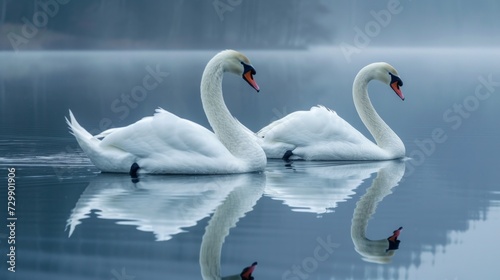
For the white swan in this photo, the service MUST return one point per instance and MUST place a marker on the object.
(375, 251)
(167, 144)
(320, 134)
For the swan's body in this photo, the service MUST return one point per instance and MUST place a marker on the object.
(167, 144)
(320, 134)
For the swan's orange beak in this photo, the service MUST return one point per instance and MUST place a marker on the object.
(397, 90)
(248, 76)
(246, 274)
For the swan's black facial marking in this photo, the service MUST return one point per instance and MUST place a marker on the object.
(394, 79)
(247, 68)
(248, 72)
(395, 84)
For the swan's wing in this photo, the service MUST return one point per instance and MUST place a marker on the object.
(107, 132)
(315, 126)
(317, 134)
(165, 139)
(115, 129)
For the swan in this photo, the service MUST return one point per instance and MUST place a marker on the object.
(167, 144)
(375, 251)
(320, 134)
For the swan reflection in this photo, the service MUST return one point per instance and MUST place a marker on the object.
(240, 201)
(162, 205)
(317, 187)
(393, 240)
(376, 251)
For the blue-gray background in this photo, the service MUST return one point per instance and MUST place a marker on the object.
(91, 54)
(198, 24)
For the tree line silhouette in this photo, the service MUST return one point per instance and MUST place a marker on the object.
(173, 24)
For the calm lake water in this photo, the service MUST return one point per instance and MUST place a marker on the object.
(299, 220)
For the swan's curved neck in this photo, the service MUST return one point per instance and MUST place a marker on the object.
(384, 136)
(229, 131)
(240, 201)
(387, 178)
(374, 250)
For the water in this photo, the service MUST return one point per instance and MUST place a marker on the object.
(304, 220)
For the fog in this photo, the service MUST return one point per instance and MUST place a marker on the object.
(244, 24)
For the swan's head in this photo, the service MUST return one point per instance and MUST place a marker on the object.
(389, 75)
(237, 63)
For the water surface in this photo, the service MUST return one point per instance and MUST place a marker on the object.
(300, 220)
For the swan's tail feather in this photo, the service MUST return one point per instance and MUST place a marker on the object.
(108, 158)
(85, 139)
(76, 129)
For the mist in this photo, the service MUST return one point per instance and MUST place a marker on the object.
(244, 24)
